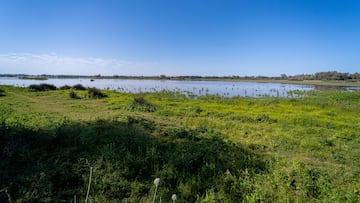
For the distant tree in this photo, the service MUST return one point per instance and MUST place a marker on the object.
(283, 77)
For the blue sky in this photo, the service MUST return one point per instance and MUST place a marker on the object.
(179, 37)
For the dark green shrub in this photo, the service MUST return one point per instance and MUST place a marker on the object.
(95, 93)
(2, 92)
(65, 87)
(141, 104)
(47, 86)
(79, 87)
(140, 100)
(42, 87)
(262, 118)
(73, 95)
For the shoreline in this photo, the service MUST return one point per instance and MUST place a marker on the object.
(224, 79)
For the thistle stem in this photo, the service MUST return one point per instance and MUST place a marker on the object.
(155, 194)
(88, 190)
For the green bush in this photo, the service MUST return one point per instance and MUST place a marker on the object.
(65, 87)
(2, 92)
(95, 93)
(73, 95)
(42, 87)
(78, 87)
(139, 103)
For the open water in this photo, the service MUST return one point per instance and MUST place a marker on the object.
(220, 88)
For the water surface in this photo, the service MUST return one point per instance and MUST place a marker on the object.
(221, 88)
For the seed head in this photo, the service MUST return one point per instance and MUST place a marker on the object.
(173, 197)
(157, 181)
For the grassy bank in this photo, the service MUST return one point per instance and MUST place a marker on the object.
(205, 149)
(33, 78)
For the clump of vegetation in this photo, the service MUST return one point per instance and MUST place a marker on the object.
(73, 95)
(65, 87)
(124, 156)
(2, 92)
(42, 87)
(139, 103)
(79, 87)
(33, 78)
(95, 93)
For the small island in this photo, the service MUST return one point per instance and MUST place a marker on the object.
(33, 78)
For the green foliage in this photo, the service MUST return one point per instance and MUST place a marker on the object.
(95, 93)
(65, 87)
(33, 78)
(139, 103)
(207, 149)
(73, 95)
(54, 163)
(2, 92)
(42, 87)
(78, 87)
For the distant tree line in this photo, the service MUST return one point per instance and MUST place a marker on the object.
(324, 76)
(330, 75)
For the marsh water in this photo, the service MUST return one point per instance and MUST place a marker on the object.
(220, 88)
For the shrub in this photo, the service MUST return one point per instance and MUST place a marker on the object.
(79, 87)
(95, 93)
(35, 87)
(42, 87)
(141, 104)
(140, 100)
(73, 95)
(65, 87)
(2, 92)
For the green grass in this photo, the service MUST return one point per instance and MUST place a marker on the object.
(204, 149)
(33, 78)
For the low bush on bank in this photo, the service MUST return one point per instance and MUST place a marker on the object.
(139, 103)
(2, 92)
(95, 93)
(42, 87)
(73, 95)
(65, 87)
(79, 87)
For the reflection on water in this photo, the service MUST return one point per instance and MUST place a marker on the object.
(220, 88)
(328, 87)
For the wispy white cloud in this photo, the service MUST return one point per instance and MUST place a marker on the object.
(53, 63)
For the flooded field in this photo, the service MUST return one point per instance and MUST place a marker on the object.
(221, 88)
